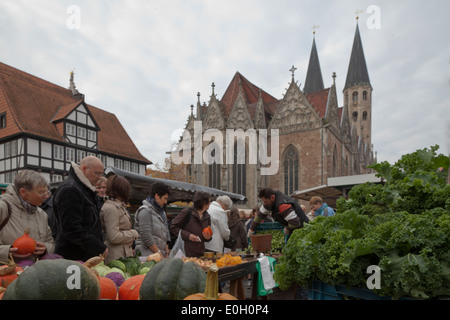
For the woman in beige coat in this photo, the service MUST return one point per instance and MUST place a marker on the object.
(116, 221)
(19, 210)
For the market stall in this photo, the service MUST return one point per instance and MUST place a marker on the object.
(180, 191)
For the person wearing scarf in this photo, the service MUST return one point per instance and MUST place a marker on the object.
(151, 222)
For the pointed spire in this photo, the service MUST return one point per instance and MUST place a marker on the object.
(357, 73)
(314, 80)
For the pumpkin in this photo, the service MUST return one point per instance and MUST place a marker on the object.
(172, 279)
(58, 279)
(108, 288)
(211, 288)
(207, 232)
(8, 273)
(155, 257)
(129, 290)
(25, 244)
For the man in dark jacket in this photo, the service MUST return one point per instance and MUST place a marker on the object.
(79, 234)
(284, 209)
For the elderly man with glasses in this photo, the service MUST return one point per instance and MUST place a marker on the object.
(19, 211)
(79, 234)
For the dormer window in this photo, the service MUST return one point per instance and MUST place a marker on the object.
(2, 120)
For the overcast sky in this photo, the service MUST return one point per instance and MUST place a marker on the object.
(145, 61)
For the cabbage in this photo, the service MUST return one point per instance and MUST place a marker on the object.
(116, 277)
(114, 270)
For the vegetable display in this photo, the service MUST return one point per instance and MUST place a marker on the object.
(172, 279)
(211, 288)
(401, 226)
(48, 280)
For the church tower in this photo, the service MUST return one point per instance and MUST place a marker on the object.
(314, 80)
(358, 92)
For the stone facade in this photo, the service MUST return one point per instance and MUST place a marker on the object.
(317, 139)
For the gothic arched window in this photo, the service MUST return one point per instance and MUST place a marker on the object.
(214, 172)
(365, 115)
(335, 162)
(355, 96)
(239, 169)
(290, 163)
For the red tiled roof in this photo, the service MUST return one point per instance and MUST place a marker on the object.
(251, 94)
(319, 101)
(32, 104)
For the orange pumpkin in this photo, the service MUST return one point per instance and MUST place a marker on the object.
(108, 289)
(129, 290)
(207, 232)
(211, 288)
(8, 273)
(25, 244)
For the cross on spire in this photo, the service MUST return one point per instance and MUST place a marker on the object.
(314, 29)
(293, 71)
(213, 85)
(357, 12)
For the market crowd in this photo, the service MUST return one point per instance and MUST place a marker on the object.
(88, 215)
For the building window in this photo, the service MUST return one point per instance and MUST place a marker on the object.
(214, 172)
(80, 155)
(126, 165)
(355, 116)
(365, 115)
(355, 96)
(92, 135)
(118, 163)
(134, 168)
(290, 162)
(70, 154)
(239, 169)
(81, 133)
(335, 162)
(71, 129)
(58, 152)
(2, 120)
(365, 95)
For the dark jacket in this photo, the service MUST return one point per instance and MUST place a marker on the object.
(238, 232)
(79, 234)
(195, 225)
(285, 210)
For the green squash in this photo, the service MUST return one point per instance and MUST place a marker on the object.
(172, 279)
(54, 280)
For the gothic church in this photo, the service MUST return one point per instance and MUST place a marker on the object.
(316, 138)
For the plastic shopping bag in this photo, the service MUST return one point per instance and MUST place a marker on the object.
(178, 248)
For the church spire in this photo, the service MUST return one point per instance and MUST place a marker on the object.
(357, 69)
(314, 80)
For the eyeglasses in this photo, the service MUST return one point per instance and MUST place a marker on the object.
(44, 193)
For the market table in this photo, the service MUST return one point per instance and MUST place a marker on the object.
(235, 274)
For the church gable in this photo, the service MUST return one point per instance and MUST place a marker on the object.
(239, 117)
(295, 113)
(214, 117)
